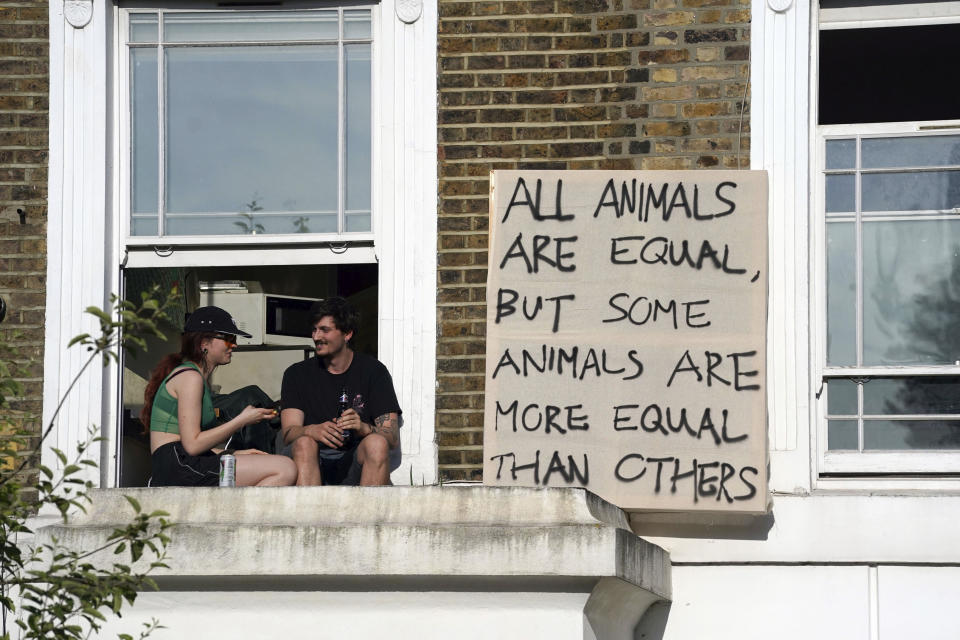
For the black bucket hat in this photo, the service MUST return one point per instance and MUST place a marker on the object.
(214, 320)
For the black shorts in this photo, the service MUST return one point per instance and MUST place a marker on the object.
(174, 467)
(336, 467)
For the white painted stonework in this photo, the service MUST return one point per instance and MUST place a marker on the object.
(78, 12)
(494, 563)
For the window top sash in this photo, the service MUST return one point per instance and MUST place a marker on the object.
(166, 255)
(891, 372)
(891, 15)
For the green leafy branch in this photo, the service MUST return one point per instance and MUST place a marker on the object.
(50, 589)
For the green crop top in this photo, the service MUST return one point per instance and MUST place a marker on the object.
(163, 416)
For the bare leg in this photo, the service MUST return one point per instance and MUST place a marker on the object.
(265, 471)
(373, 454)
(305, 456)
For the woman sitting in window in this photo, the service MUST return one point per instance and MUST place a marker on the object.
(179, 410)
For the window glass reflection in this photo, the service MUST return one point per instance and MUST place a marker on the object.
(144, 133)
(912, 396)
(910, 191)
(898, 435)
(841, 397)
(251, 129)
(250, 26)
(358, 142)
(841, 154)
(842, 435)
(841, 193)
(911, 292)
(841, 294)
(143, 27)
(915, 151)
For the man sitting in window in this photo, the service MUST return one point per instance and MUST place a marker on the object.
(340, 416)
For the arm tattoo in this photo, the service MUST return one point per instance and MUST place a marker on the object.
(386, 425)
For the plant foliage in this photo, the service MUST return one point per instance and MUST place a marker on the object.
(48, 588)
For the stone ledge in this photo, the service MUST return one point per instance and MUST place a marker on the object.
(384, 532)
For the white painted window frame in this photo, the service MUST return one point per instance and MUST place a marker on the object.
(344, 240)
(850, 469)
(86, 246)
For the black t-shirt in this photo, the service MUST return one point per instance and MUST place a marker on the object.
(308, 386)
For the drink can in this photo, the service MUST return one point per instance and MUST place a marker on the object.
(228, 470)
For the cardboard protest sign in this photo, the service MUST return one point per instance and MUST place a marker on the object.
(626, 332)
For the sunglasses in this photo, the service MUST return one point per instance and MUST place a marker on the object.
(230, 340)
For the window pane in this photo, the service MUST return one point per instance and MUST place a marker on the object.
(143, 226)
(842, 435)
(911, 396)
(841, 154)
(251, 129)
(358, 143)
(910, 191)
(916, 151)
(841, 294)
(143, 27)
(247, 26)
(841, 397)
(841, 193)
(356, 23)
(911, 280)
(145, 137)
(856, 64)
(250, 223)
(894, 435)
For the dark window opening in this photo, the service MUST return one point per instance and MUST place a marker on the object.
(270, 302)
(891, 74)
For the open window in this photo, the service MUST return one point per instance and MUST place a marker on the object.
(244, 177)
(270, 302)
(888, 194)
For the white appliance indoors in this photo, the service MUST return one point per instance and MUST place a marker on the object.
(270, 319)
(280, 330)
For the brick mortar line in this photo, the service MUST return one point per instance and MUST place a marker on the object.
(561, 51)
(656, 139)
(620, 156)
(531, 125)
(576, 16)
(533, 141)
(586, 34)
(534, 159)
(466, 55)
(639, 136)
(702, 26)
(604, 85)
(569, 105)
(463, 357)
(677, 66)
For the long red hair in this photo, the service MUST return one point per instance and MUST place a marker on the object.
(191, 349)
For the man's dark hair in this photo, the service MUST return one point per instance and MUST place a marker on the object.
(344, 315)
